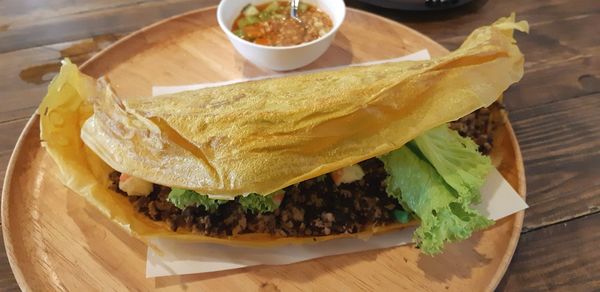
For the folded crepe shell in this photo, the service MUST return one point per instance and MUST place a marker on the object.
(261, 136)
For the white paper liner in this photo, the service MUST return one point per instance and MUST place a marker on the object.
(175, 257)
(160, 90)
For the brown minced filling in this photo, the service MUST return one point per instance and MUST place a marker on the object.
(479, 126)
(311, 208)
(314, 207)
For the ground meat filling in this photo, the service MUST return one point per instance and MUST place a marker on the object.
(311, 208)
(479, 126)
(314, 207)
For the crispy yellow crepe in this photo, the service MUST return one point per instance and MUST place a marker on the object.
(261, 136)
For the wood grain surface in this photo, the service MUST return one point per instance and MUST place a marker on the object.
(541, 263)
(561, 79)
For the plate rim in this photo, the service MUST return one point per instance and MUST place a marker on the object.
(4, 210)
(16, 154)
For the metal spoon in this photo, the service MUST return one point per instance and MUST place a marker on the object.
(294, 10)
(294, 15)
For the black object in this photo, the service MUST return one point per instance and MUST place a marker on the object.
(417, 4)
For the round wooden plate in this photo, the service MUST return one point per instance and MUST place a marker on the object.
(55, 240)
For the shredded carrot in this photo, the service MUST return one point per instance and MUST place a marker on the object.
(263, 41)
(336, 175)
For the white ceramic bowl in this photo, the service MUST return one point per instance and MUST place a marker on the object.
(280, 58)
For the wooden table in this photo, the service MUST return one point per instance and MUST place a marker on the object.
(555, 109)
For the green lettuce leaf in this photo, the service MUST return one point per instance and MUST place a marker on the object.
(185, 198)
(256, 203)
(445, 216)
(456, 159)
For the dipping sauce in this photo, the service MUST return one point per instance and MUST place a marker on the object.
(270, 24)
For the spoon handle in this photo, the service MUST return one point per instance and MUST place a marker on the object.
(294, 8)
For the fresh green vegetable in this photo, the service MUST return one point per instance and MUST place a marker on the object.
(184, 198)
(277, 16)
(256, 203)
(302, 7)
(456, 159)
(445, 215)
(239, 32)
(264, 15)
(250, 10)
(272, 7)
(248, 20)
(402, 216)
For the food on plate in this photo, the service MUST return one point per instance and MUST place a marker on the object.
(363, 150)
(270, 24)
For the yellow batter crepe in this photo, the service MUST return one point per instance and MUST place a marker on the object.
(261, 136)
